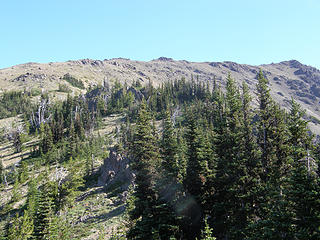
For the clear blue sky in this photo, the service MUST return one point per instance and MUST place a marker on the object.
(245, 31)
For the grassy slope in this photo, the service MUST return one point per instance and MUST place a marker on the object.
(96, 213)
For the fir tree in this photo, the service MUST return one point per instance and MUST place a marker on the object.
(151, 216)
(169, 149)
(198, 175)
(21, 227)
(228, 211)
(276, 162)
(304, 188)
(45, 221)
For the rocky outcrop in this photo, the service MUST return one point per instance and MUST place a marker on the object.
(30, 77)
(116, 170)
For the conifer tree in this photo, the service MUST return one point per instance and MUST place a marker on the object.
(69, 190)
(45, 221)
(276, 162)
(169, 149)
(304, 188)
(231, 170)
(21, 227)
(46, 138)
(72, 141)
(57, 125)
(151, 215)
(182, 159)
(249, 155)
(198, 175)
(16, 194)
(272, 137)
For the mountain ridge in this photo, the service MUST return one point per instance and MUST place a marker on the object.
(287, 78)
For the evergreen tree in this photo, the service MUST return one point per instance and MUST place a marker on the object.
(169, 149)
(46, 138)
(249, 191)
(198, 176)
(276, 161)
(304, 188)
(23, 172)
(69, 189)
(21, 227)
(72, 141)
(16, 194)
(151, 216)
(57, 125)
(45, 220)
(231, 170)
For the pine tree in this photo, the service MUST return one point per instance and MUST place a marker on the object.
(151, 215)
(69, 190)
(198, 175)
(249, 155)
(21, 227)
(78, 126)
(182, 159)
(57, 125)
(272, 137)
(304, 188)
(273, 207)
(46, 138)
(23, 172)
(228, 209)
(16, 194)
(32, 197)
(45, 220)
(169, 149)
(72, 143)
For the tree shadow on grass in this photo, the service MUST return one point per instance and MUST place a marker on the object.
(6, 147)
(90, 193)
(19, 156)
(106, 216)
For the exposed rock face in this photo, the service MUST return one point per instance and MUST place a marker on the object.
(115, 169)
(29, 77)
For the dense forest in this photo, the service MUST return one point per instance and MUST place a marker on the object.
(207, 163)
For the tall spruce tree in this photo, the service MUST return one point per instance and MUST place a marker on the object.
(45, 220)
(198, 179)
(272, 210)
(249, 189)
(228, 210)
(304, 188)
(151, 216)
(169, 149)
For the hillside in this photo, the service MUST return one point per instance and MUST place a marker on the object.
(287, 79)
(180, 160)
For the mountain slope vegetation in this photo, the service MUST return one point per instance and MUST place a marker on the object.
(210, 160)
